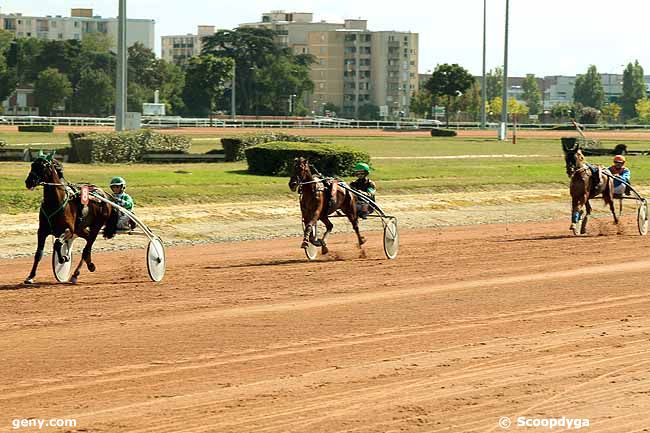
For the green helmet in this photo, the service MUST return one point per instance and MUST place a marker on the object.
(117, 180)
(362, 166)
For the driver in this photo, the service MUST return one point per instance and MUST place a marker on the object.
(619, 169)
(364, 185)
(121, 198)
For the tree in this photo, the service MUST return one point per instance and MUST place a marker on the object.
(516, 108)
(450, 82)
(532, 95)
(560, 111)
(95, 93)
(589, 115)
(97, 42)
(611, 112)
(642, 108)
(252, 49)
(421, 103)
(369, 112)
(332, 108)
(470, 101)
(51, 90)
(205, 80)
(8, 79)
(633, 89)
(494, 107)
(494, 83)
(589, 89)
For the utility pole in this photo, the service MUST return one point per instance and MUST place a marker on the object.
(504, 96)
(121, 85)
(484, 84)
(232, 93)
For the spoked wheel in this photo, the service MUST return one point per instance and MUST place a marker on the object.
(391, 239)
(312, 250)
(156, 259)
(642, 218)
(63, 271)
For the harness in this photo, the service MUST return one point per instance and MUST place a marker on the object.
(70, 194)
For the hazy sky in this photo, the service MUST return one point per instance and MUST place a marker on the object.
(552, 37)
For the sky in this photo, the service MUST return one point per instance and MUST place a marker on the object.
(552, 37)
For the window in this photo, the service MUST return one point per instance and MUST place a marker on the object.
(76, 23)
(53, 24)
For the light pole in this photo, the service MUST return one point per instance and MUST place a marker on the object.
(291, 103)
(483, 86)
(121, 82)
(232, 92)
(504, 96)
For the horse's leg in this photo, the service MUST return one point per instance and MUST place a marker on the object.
(87, 252)
(351, 213)
(328, 229)
(576, 212)
(608, 196)
(583, 227)
(41, 236)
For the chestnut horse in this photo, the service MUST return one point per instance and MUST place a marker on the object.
(60, 211)
(316, 205)
(582, 187)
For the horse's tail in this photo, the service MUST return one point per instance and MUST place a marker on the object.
(110, 229)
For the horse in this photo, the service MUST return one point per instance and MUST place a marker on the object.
(315, 204)
(60, 214)
(583, 188)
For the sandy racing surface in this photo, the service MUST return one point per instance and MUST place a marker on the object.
(468, 325)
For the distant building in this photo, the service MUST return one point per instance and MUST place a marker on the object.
(354, 65)
(81, 22)
(21, 102)
(179, 48)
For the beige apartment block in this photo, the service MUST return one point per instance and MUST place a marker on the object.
(354, 66)
(394, 70)
(81, 22)
(179, 48)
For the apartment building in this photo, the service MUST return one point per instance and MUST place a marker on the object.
(178, 49)
(354, 65)
(81, 22)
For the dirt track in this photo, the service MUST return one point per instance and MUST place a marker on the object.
(466, 326)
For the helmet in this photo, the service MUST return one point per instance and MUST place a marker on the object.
(117, 180)
(362, 166)
(619, 158)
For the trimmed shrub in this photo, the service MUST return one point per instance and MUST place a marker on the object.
(234, 147)
(437, 132)
(276, 158)
(36, 128)
(124, 146)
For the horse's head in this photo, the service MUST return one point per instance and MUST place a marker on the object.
(573, 156)
(299, 173)
(44, 169)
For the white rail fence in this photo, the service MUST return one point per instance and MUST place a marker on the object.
(325, 122)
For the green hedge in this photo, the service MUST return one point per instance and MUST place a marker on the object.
(276, 158)
(36, 128)
(436, 132)
(234, 147)
(123, 146)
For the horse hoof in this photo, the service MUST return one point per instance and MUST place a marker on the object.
(29, 281)
(73, 280)
(304, 245)
(362, 241)
(91, 267)
(325, 250)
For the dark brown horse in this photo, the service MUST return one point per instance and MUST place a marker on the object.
(316, 204)
(587, 181)
(60, 214)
